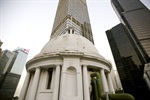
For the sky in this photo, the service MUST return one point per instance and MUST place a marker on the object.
(28, 24)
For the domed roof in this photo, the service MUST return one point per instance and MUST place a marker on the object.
(69, 43)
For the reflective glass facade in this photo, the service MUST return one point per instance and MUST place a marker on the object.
(136, 17)
(128, 62)
(11, 67)
(19, 61)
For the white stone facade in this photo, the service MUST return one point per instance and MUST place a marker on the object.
(71, 59)
(61, 71)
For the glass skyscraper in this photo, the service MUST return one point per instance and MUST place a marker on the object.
(11, 67)
(128, 63)
(130, 45)
(136, 17)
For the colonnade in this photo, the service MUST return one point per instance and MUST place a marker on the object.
(106, 80)
(34, 85)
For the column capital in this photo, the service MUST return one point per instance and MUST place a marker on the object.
(85, 65)
(39, 67)
(58, 65)
(28, 71)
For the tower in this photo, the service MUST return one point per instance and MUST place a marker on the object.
(61, 71)
(72, 14)
(128, 63)
(135, 16)
(11, 67)
(135, 28)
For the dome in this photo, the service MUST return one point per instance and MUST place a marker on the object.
(69, 43)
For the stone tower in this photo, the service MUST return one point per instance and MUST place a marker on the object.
(61, 71)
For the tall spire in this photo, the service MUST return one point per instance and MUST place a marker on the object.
(72, 14)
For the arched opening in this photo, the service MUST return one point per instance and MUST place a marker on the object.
(71, 81)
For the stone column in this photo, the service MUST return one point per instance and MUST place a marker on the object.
(56, 83)
(25, 87)
(85, 83)
(34, 86)
(110, 84)
(104, 81)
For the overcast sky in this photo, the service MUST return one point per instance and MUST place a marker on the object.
(28, 24)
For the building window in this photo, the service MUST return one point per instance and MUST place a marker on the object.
(69, 31)
(50, 72)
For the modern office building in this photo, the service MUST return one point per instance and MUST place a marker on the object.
(128, 62)
(11, 67)
(66, 64)
(136, 17)
(72, 14)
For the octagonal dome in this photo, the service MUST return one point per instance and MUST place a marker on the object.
(69, 43)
